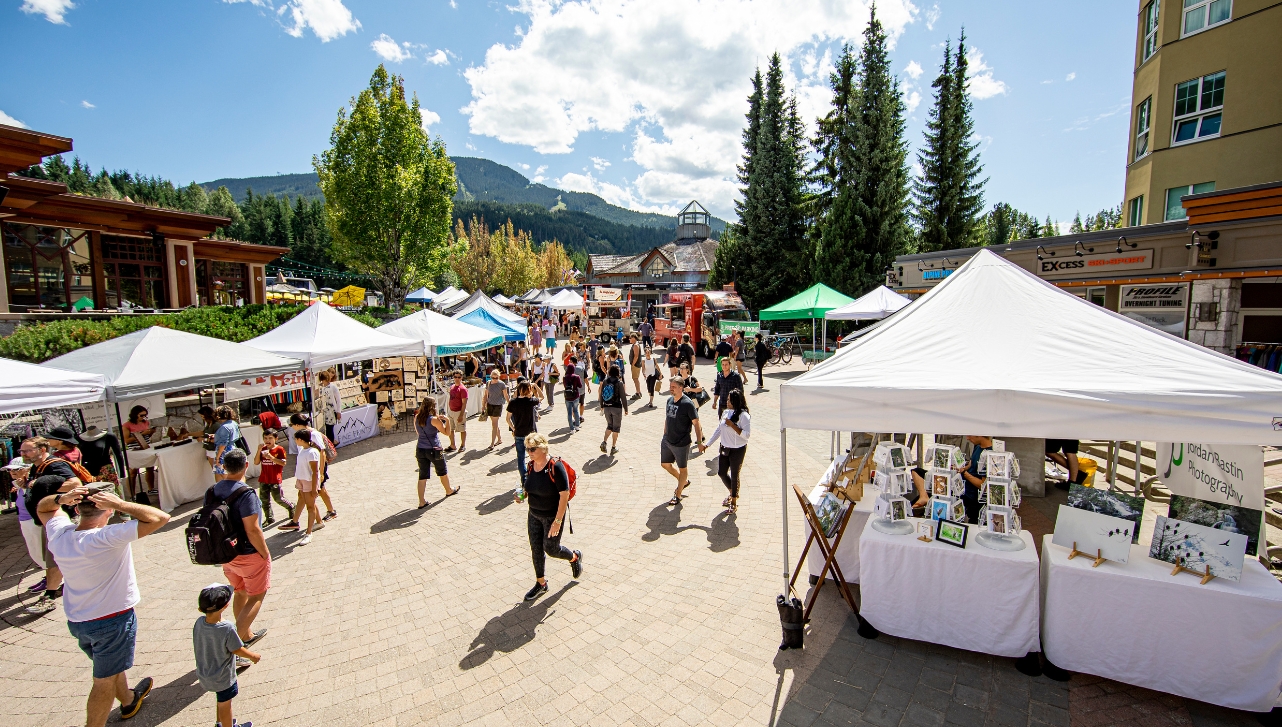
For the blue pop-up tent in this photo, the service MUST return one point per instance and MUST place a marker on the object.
(422, 295)
(482, 318)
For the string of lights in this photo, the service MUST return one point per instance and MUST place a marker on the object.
(297, 269)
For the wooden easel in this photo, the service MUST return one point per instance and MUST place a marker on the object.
(1098, 557)
(1205, 574)
(829, 551)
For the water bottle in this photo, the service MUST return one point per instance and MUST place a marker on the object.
(519, 492)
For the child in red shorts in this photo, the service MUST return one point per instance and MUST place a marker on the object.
(271, 456)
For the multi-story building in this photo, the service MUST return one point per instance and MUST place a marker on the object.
(1206, 103)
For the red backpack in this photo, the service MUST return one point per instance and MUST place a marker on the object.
(569, 473)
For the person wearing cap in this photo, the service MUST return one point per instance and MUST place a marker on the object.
(101, 591)
(219, 651)
(674, 448)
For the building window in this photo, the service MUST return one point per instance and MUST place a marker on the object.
(1202, 14)
(1149, 25)
(1174, 209)
(1199, 107)
(1142, 114)
(46, 267)
(135, 272)
(656, 269)
(222, 283)
(1135, 212)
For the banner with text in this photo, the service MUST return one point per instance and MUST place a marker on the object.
(359, 422)
(265, 385)
(1158, 306)
(749, 328)
(1222, 473)
(1100, 263)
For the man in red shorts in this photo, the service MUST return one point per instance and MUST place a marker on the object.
(250, 573)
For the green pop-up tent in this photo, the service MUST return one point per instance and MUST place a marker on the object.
(811, 303)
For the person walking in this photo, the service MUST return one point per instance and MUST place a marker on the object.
(429, 425)
(307, 481)
(496, 396)
(101, 590)
(522, 419)
(685, 353)
(458, 412)
(45, 476)
(646, 330)
(331, 400)
(547, 488)
(538, 374)
(761, 354)
(300, 422)
(653, 375)
(270, 457)
(727, 380)
(673, 353)
(551, 377)
(635, 355)
(740, 353)
(549, 336)
(219, 650)
(674, 448)
(250, 572)
(573, 395)
(535, 335)
(614, 406)
(225, 438)
(733, 428)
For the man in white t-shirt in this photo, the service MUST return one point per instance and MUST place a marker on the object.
(99, 588)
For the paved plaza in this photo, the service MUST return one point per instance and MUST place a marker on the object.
(396, 616)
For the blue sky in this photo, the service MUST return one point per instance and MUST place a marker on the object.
(640, 101)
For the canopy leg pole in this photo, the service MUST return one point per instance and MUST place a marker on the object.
(825, 335)
(783, 501)
(1139, 449)
(1112, 469)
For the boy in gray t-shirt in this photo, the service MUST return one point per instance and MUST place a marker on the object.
(217, 645)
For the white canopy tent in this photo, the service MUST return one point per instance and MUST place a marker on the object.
(565, 300)
(481, 300)
(26, 387)
(503, 300)
(158, 360)
(448, 297)
(998, 351)
(873, 305)
(442, 335)
(528, 295)
(321, 337)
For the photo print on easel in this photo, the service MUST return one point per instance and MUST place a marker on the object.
(1198, 549)
(1093, 534)
(1106, 502)
(1219, 516)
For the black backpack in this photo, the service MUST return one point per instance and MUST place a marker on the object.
(213, 532)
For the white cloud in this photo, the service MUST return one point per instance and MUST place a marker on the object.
(912, 99)
(913, 69)
(429, 118)
(8, 120)
(1071, 76)
(612, 193)
(389, 50)
(328, 19)
(932, 16)
(672, 74)
(87, 105)
(1047, 82)
(538, 174)
(982, 83)
(55, 11)
(453, 4)
(439, 58)
(600, 163)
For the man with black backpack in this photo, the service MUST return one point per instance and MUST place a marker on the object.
(614, 404)
(232, 509)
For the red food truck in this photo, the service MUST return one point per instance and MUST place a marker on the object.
(698, 313)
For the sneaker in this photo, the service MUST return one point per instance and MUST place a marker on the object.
(576, 566)
(258, 635)
(140, 692)
(243, 663)
(292, 519)
(43, 605)
(603, 450)
(306, 539)
(614, 451)
(318, 526)
(269, 521)
(291, 525)
(39, 586)
(538, 590)
(329, 516)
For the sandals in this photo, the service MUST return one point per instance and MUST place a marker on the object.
(734, 507)
(674, 501)
(725, 502)
(455, 492)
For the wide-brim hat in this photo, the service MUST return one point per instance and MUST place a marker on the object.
(62, 433)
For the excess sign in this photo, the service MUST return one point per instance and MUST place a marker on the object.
(1097, 263)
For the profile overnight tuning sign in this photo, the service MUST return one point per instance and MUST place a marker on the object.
(1068, 265)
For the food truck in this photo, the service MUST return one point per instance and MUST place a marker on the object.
(698, 313)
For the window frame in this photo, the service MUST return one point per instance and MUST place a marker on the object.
(1200, 113)
(1186, 190)
(1143, 118)
(1148, 29)
(1203, 7)
(1135, 212)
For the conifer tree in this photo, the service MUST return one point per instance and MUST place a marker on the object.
(834, 180)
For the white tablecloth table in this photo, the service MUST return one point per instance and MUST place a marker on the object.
(1136, 623)
(253, 434)
(182, 473)
(976, 599)
(848, 548)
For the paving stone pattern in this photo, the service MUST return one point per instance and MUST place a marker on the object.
(399, 616)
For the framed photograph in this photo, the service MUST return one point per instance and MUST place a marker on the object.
(829, 512)
(897, 458)
(941, 509)
(1197, 547)
(959, 510)
(1221, 516)
(881, 481)
(1105, 502)
(953, 533)
(997, 492)
(939, 482)
(999, 520)
(899, 509)
(997, 465)
(1092, 533)
(926, 531)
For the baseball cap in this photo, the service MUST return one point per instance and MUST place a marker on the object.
(213, 597)
(16, 463)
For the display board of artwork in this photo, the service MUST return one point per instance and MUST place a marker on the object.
(1107, 502)
(1093, 533)
(1198, 548)
(1220, 516)
(389, 380)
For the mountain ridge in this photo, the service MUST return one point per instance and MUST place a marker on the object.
(479, 180)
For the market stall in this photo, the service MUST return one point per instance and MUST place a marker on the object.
(815, 302)
(28, 387)
(422, 295)
(565, 300)
(483, 318)
(481, 301)
(160, 360)
(442, 335)
(975, 356)
(448, 297)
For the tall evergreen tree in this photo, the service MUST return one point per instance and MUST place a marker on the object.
(834, 180)
(948, 198)
(879, 213)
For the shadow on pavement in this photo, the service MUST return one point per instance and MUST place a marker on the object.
(510, 631)
(401, 520)
(724, 533)
(599, 464)
(508, 466)
(164, 701)
(495, 503)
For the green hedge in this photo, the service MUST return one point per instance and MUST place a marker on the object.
(39, 342)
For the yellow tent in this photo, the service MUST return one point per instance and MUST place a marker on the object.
(349, 296)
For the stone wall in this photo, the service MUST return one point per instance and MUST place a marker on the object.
(1217, 334)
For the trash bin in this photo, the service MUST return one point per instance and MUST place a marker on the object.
(1087, 467)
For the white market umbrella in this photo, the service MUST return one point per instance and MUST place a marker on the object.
(874, 305)
(322, 336)
(158, 360)
(26, 387)
(441, 335)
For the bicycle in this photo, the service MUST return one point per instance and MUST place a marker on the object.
(782, 347)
